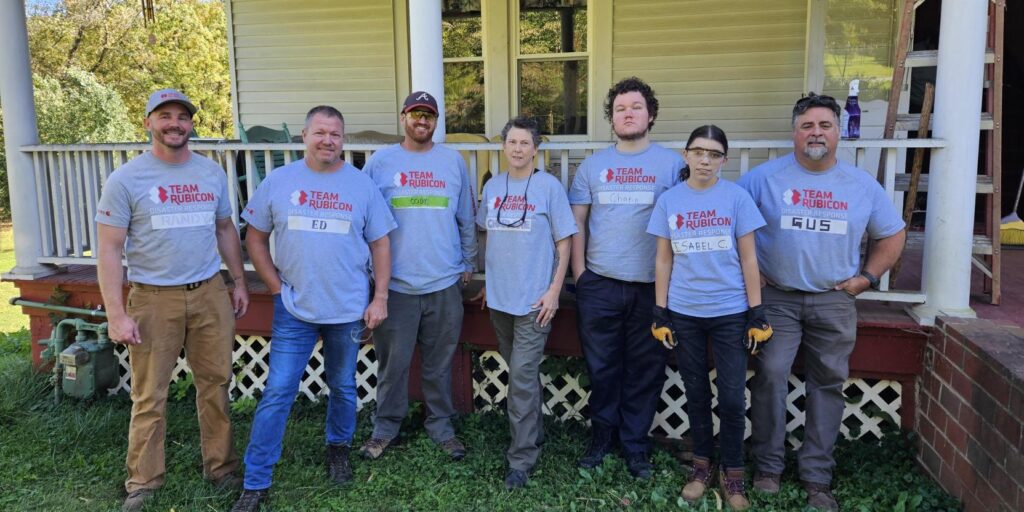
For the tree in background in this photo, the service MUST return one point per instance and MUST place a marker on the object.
(95, 62)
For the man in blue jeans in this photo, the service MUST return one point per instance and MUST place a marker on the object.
(330, 220)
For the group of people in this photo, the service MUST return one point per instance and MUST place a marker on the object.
(667, 257)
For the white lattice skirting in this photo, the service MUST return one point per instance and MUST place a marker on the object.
(869, 402)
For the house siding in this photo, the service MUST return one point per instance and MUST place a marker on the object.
(736, 64)
(291, 56)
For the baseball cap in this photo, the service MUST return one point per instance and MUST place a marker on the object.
(420, 99)
(168, 96)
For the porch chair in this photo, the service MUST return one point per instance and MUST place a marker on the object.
(483, 161)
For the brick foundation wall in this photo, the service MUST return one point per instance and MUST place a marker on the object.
(971, 410)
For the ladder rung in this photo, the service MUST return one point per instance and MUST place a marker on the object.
(982, 244)
(927, 58)
(903, 183)
(910, 122)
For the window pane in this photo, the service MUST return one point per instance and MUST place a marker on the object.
(555, 94)
(552, 26)
(460, 29)
(464, 97)
(859, 44)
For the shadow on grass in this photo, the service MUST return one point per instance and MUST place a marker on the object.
(71, 457)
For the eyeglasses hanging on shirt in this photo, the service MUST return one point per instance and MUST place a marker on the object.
(522, 219)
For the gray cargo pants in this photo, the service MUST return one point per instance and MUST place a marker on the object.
(825, 325)
(433, 321)
(521, 344)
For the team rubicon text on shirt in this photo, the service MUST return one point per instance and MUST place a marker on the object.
(181, 205)
(813, 210)
(700, 231)
(415, 183)
(512, 206)
(319, 211)
(625, 185)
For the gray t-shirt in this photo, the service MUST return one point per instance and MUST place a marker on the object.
(322, 225)
(621, 189)
(170, 212)
(520, 255)
(815, 221)
(431, 199)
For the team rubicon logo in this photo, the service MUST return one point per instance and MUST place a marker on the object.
(417, 179)
(624, 175)
(606, 176)
(675, 221)
(185, 193)
(319, 200)
(494, 203)
(791, 197)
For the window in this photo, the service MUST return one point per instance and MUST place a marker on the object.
(551, 64)
(860, 42)
(462, 45)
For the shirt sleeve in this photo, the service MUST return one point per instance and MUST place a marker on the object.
(379, 220)
(481, 210)
(115, 206)
(257, 211)
(579, 192)
(563, 223)
(658, 223)
(465, 216)
(747, 217)
(885, 221)
(224, 203)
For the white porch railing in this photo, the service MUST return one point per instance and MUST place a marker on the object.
(70, 178)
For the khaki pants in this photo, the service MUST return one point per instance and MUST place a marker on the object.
(170, 318)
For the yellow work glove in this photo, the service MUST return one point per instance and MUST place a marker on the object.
(662, 329)
(759, 331)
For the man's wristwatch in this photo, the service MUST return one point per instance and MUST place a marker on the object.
(872, 279)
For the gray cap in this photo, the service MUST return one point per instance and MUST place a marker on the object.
(168, 96)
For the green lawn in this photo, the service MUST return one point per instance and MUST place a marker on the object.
(11, 317)
(71, 457)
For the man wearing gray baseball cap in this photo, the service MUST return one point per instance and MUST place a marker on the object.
(167, 213)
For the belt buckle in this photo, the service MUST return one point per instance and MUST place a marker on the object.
(193, 286)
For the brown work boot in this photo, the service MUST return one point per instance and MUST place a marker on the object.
(454, 448)
(228, 482)
(374, 447)
(733, 489)
(766, 482)
(700, 479)
(819, 496)
(136, 499)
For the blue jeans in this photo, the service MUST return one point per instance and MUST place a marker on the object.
(726, 336)
(290, 347)
(626, 365)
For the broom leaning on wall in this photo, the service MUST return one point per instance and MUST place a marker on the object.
(1011, 229)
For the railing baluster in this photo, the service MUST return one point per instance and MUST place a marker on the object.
(251, 173)
(42, 196)
(564, 167)
(56, 168)
(859, 155)
(744, 161)
(233, 188)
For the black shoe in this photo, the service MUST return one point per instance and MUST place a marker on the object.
(601, 445)
(638, 466)
(339, 470)
(250, 500)
(515, 479)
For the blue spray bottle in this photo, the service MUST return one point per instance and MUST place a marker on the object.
(849, 119)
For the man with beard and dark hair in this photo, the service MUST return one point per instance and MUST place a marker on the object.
(612, 197)
(817, 210)
(171, 207)
(433, 251)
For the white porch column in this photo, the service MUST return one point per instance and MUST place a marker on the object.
(949, 222)
(425, 54)
(19, 118)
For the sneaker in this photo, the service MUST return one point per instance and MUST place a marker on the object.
(454, 448)
(600, 446)
(768, 483)
(339, 470)
(638, 466)
(136, 499)
(819, 496)
(228, 482)
(515, 479)
(250, 500)
(374, 447)
(699, 480)
(733, 489)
